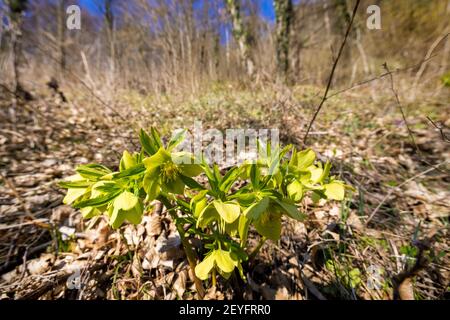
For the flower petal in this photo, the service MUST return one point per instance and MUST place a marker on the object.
(203, 269)
(229, 211)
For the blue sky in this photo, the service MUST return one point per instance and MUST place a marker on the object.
(266, 6)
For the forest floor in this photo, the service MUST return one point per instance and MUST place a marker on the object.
(390, 237)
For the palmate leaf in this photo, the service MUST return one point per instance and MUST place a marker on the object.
(106, 187)
(92, 171)
(97, 202)
(127, 161)
(131, 171)
(305, 159)
(82, 184)
(295, 190)
(207, 215)
(229, 179)
(191, 183)
(269, 225)
(73, 194)
(244, 224)
(257, 209)
(146, 142)
(176, 139)
(156, 138)
(290, 209)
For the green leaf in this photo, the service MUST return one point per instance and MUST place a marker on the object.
(229, 179)
(131, 171)
(257, 209)
(97, 202)
(127, 161)
(151, 184)
(269, 226)
(176, 139)
(82, 184)
(295, 190)
(335, 191)
(157, 159)
(243, 227)
(175, 186)
(213, 182)
(125, 201)
(73, 194)
(156, 138)
(191, 183)
(291, 210)
(305, 159)
(92, 171)
(107, 187)
(326, 171)
(229, 211)
(254, 175)
(147, 144)
(208, 215)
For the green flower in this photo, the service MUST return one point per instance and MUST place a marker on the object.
(165, 172)
(125, 206)
(221, 260)
(308, 176)
(266, 216)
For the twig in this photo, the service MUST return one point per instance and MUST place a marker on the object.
(330, 79)
(18, 196)
(424, 64)
(397, 99)
(441, 128)
(400, 185)
(381, 76)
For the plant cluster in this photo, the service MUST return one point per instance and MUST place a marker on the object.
(220, 213)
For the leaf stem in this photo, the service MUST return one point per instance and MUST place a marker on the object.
(190, 254)
(255, 251)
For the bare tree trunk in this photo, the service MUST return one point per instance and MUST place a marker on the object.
(284, 17)
(61, 40)
(240, 34)
(109, 18)
(16, 9)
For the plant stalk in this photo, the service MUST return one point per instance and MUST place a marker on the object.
(190, 254)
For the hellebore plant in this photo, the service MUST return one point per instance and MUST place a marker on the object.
(217, 214)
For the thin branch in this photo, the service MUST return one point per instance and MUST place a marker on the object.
(441, 128)
(400, 185)
(397, 99)
(333, 69)
(381, 76)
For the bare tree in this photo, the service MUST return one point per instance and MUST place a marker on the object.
(109, 20)
(240, 35)
(16, 9)
(284, 16)
(61, 38)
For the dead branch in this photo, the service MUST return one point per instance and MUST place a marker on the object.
(333, 69)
